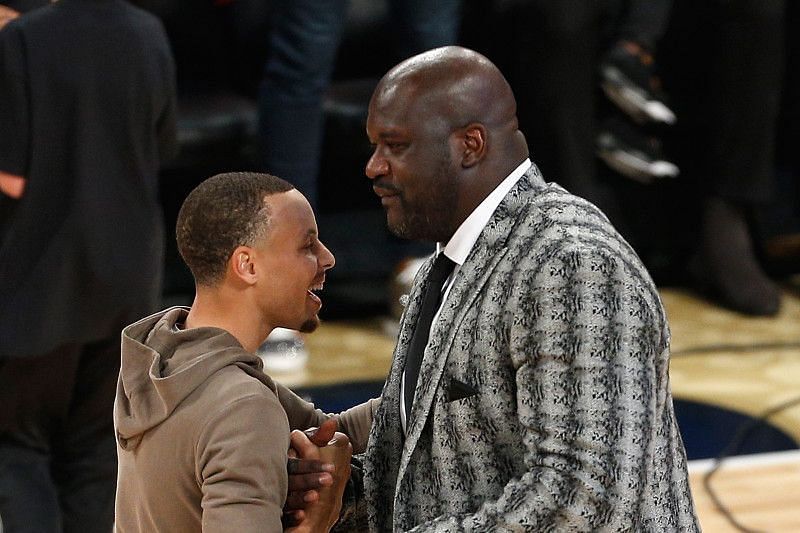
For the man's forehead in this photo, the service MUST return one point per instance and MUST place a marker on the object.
(385, 117)
(397, 102)
(289, 204)
(385, 108)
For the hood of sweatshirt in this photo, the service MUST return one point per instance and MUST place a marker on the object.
(162, 365)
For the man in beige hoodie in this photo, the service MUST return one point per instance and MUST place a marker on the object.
(202, 436)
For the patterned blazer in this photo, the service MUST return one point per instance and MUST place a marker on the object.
(544, 401)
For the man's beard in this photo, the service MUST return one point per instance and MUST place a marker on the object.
(309, 325)
(430, 219)
(427, 221)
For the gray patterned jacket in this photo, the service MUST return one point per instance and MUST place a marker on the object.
(544, 400)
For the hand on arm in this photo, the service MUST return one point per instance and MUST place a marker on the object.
(7, 15)
(307, 471)
(321, 511)
(11, 184)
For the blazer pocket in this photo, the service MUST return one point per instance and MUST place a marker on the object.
(458, 390)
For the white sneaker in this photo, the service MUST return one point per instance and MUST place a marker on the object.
(283, 351)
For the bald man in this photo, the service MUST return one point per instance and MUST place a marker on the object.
(542, 399)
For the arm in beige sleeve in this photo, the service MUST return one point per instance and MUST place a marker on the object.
(354, 422)
(241, 467)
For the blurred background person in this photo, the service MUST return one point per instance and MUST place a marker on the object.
(556, 54)
(88, 113)
(303, 45)
(304, 41)
(724, 64)
(721, 62)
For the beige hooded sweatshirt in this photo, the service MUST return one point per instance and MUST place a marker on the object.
(202, 438)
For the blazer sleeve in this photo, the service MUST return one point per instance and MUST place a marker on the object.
(588, 341)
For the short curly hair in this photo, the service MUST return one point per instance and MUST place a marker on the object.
(223, 212)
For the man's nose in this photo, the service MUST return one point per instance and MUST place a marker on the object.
(376, 166)
(326, 259)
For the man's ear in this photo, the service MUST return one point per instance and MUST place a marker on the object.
(473, 139)
(241, 265)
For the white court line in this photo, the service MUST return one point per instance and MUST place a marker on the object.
(744, 461)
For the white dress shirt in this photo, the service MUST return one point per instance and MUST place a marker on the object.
(463, 240)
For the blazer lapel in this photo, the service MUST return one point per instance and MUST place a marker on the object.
(386, 458)
(384, 449)
(466, 287)
(489, 249)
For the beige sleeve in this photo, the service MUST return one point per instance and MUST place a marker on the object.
(241, 466)
(354, 422)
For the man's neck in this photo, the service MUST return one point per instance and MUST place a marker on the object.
(212, 308)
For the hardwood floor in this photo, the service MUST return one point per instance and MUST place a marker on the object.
(745, 364)
(761, 491)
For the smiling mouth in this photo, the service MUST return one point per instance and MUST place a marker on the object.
(312, 292)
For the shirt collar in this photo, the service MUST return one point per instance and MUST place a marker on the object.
(461, 243)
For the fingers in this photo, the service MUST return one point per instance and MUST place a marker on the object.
(7, 15)
(11, 184)
(297, 501)
(338, 452)
(308, 474)
(324, 433)
(306, 443)
(304, 487)
(303, 446)
(307, 466)
(339, 440)
(303, 482)
(292, 518)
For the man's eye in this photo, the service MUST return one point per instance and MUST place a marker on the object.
(396, 147)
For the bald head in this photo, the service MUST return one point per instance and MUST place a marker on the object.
(445, 132)
(457, 86)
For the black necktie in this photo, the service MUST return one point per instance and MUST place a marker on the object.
(442, 267)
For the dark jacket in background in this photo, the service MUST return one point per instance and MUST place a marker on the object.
(88, 110)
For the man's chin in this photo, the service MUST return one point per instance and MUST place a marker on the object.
(411, 231)
(309, 325)
(400, 227)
